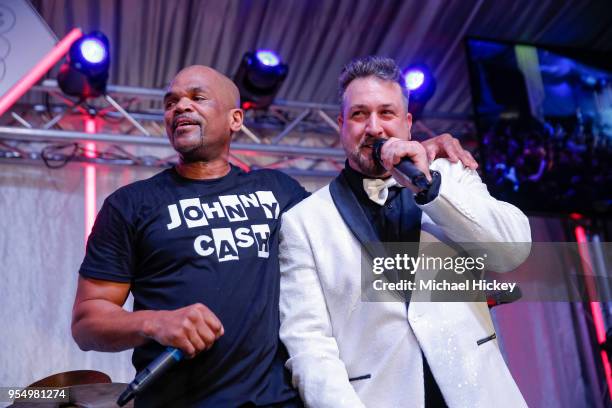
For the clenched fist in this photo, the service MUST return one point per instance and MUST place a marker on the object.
(191, 329)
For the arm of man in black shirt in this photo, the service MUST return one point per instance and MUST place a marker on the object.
(100, 323)
(445, 146)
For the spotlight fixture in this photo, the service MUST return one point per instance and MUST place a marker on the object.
(414, 79)
(421, 84)
(268, 58)
(259, 77)
(85, 72)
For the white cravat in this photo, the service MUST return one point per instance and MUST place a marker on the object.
(378, 189)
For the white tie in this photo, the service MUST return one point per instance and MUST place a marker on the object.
(378, 189)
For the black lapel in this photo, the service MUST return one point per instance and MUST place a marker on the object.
(359, 224)
(352, 213)
(354, 217)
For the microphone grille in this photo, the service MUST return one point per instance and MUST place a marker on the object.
(376, 148)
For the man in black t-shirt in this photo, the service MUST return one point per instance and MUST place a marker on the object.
(197, 245)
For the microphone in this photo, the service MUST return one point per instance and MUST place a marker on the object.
(405, 166)
(143, 379)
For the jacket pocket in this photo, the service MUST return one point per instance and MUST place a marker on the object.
(485, 339)
(361, 377)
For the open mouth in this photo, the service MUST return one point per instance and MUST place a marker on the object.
(184, 123)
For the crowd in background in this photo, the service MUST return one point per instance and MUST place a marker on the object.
(559, 165)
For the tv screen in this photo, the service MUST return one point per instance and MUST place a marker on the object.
(544, 118)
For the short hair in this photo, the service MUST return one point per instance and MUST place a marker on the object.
(383, 68)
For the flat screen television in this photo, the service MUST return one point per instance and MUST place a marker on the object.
(544, 118)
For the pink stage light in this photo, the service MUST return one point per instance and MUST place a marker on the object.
(91, 128)
(598, 321)
(90, 179)
(29, 79)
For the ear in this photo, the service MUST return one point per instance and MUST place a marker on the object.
(409, 123)
(340, 120)
(236, 119)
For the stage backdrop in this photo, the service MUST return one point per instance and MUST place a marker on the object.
(43, 242)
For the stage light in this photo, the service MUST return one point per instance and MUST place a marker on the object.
(414, 79)
(421, 85)
(85, 72)
(268, 58)
(259, 77)
(93, 50)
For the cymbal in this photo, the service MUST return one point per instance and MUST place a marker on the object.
(70, 378)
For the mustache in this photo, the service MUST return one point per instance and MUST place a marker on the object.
(184, 118)
(369, 140)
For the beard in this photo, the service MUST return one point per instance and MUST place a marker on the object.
(188, 144)
(361, 156)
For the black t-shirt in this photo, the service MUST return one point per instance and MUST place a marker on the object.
(180, 241)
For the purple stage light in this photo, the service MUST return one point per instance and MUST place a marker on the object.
(421, 84)
(93, 51)
(259, 77)
(414, 79)
(268, 58)
(85, 72)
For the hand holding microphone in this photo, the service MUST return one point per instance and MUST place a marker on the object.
(187, 331)
(152, 372)
(191, 329)
(406, 160)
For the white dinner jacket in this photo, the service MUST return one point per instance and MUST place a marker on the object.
(348, 353)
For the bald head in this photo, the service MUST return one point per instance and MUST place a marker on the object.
(226, 90)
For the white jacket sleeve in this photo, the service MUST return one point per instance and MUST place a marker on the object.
(306, 330)
(467, 213)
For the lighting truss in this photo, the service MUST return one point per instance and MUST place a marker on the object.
(47, 127)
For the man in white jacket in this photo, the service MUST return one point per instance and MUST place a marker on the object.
(345, 352)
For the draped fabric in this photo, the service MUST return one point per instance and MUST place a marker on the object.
(549, 346)
(41, 248)
(152, 40)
